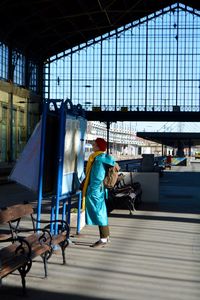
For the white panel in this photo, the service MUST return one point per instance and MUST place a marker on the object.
(26, 169)
(149, 183)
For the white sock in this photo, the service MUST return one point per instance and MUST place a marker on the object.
(104, 240)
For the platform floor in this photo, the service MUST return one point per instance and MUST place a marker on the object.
(153, 254)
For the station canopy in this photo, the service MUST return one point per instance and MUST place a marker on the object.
(43, 28)
(172, 139)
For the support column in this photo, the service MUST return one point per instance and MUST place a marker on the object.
(108, 130)
(162, 149)
(11, 67)
(189, 148)
(10, 128)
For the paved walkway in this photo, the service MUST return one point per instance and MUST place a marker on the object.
(154, 254)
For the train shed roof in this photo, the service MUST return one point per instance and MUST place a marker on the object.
(43, 28)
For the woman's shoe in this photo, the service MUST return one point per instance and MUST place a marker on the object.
(99, 244)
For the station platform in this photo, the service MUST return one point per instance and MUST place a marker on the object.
(153, 254)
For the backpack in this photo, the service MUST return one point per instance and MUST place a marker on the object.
(111, 176)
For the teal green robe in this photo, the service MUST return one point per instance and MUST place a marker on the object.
(95, 206)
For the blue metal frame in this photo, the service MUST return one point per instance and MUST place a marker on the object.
(41, 165)
(65, 107)
(60, 163)
(78, 229)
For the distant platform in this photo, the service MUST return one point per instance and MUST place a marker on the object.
(193, 160)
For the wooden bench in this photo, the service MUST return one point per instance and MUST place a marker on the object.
(15, 256)
(21, 222)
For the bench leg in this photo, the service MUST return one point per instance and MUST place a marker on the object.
(63, 255)
(131, 205)
(63, 245)
(23, 270)
(44, 258)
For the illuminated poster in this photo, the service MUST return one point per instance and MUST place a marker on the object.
(73, 160)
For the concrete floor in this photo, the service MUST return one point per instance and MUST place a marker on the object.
(153, 254)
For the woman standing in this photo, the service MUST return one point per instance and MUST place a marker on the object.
(94, 190)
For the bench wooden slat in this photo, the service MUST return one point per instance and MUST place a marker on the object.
(37, 247)
(4, 236)
(12, 264)
(14, 212)
(15, 256)
(56, 239)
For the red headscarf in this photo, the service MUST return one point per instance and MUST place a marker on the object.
(101, 143)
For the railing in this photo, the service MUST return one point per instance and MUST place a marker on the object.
(143, 108)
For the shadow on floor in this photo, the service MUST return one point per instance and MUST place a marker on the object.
(12, 293)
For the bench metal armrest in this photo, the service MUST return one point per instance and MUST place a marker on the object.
(43, 237)
(62, 225)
